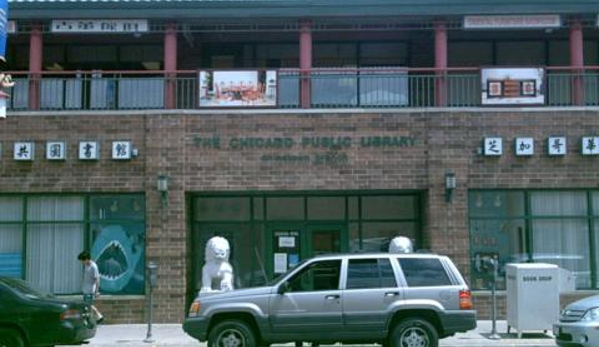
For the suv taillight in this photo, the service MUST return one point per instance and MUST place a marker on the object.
(465, 300)
(194, 309)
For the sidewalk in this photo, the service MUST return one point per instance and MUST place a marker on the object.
(133, 335)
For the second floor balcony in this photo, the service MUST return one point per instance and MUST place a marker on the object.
(318, 88)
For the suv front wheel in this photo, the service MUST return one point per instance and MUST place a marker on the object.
(231, 333)
(414, 332)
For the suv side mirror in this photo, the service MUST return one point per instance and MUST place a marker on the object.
(283, 288)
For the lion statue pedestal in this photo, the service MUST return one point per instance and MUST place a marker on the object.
(217, 272)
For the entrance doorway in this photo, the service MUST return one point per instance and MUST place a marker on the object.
(289, 243)
(269, 230)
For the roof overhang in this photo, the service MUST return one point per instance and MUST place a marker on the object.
(213, 9)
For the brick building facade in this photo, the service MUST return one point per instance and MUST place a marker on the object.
(340, 152)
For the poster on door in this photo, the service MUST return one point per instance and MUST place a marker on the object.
(286, 250)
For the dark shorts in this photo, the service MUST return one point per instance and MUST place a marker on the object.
(88, 298)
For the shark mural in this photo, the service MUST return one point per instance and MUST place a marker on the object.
(119, 255)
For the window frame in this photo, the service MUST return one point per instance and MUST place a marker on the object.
(87, 222)
(528, 218)
(380, 277)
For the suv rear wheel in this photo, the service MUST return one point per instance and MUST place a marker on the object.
(231, 333)
(10, 338)
(414, 332)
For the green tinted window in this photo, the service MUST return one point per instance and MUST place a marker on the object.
(496, 204)
(222, 209)
(388, 207)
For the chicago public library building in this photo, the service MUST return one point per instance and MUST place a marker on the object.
(138, 130)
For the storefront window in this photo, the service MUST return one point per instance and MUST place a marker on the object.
(56, 229)
(499, 239)
(388, 207)
(300, 226)
(354, 237)
(352, 206)
(258, 206)
(243, 256)
(11, 237)
(377, 235)
(285, 208)
(537, 226)
(222, 209)
(119, 250)
(323, 208)
(53, 245)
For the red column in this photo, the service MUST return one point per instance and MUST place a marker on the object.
(577, 61)
(305, 62)
(35, 66)
(440, 63)
(170, 65)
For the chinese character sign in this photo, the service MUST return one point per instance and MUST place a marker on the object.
(556, 145)
(525, 146)
(88, 150)
(23, 151)
(121, 150)
(55, 151)
(3, 27)
(493, 146)
(590, 145)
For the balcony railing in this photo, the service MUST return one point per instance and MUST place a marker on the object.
(329, 88)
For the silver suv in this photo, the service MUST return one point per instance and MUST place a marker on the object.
(393, 299)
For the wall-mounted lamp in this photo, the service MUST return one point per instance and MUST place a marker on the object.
(450, 185)
(162, 187)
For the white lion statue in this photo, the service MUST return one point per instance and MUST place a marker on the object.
(217, 272)
(400, 244)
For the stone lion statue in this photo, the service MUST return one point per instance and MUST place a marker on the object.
(400, 244)
(6, 81)
(217, 272)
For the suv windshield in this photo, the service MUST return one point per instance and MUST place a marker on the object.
(24, 288)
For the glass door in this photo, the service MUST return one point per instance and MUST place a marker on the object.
(325, 239)
(290, 243)
(283, 247)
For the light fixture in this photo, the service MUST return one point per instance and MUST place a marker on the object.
(450, 185)
(162, 187)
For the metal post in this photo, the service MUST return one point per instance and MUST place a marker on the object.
(305, 63)
(35, 66)
(152, 268)
(149, 333)
(494, 335)
(170, 65)
(577, 62)
(441, 63)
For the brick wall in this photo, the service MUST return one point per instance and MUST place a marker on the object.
(171, 144)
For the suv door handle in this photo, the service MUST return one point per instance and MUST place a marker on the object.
(332, 297)
(389, 294)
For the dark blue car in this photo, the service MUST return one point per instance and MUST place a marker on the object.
(31, 318)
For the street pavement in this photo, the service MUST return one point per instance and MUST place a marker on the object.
(133, 335)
